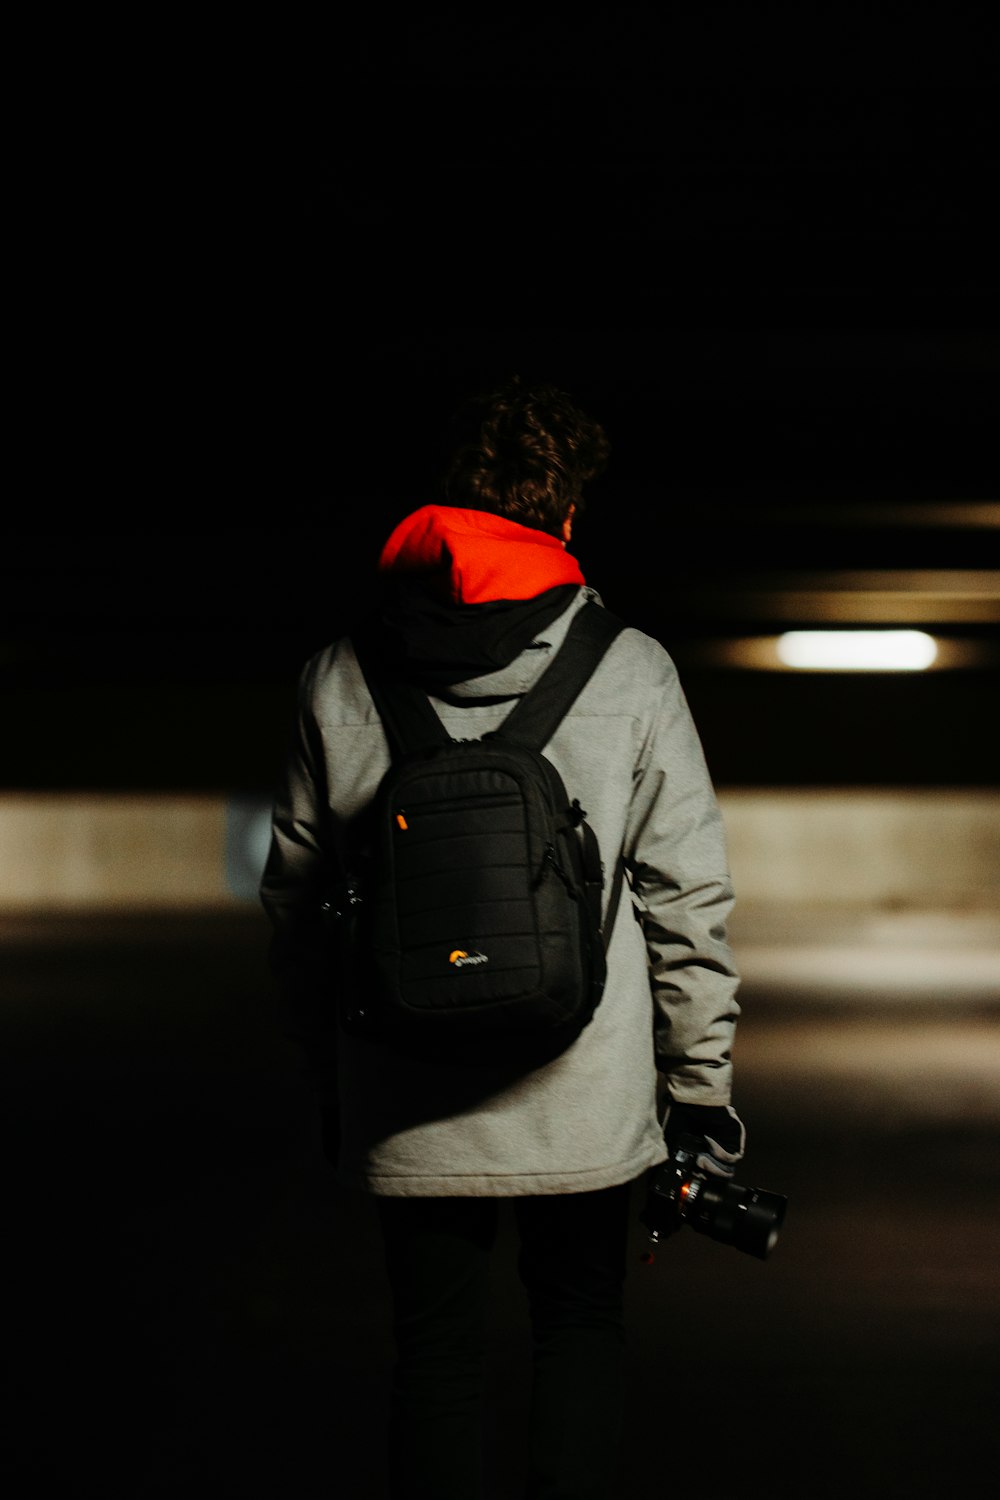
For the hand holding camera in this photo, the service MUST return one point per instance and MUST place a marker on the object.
(694, 1186)
(718, 1129)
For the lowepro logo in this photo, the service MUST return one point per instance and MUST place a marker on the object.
(459, 959)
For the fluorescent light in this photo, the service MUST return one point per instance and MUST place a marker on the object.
(857, 650)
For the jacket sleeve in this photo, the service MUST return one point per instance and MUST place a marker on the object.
(301, 868)
(676, 857)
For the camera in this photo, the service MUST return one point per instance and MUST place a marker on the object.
(748, 1218)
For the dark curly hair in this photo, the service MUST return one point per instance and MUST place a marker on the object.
(524, 452)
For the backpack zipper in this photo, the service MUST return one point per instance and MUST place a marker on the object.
(402, 815)
(549, 858)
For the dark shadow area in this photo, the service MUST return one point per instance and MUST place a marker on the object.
(760, 251)
(193, 1307)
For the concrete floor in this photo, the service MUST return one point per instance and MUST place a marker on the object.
(194, 1309)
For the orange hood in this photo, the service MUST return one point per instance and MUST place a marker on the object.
(474, 557)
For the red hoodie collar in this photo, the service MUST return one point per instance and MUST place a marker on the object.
(474, 557)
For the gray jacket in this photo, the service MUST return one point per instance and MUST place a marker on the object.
(664, 1028)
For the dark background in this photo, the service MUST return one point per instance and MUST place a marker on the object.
(755, 242)
(256, 271)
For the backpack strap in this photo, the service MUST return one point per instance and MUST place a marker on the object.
(409, 721)
(536, 716)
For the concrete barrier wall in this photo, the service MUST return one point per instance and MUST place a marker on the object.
(112, 852)
(929, 848)
(107, 852)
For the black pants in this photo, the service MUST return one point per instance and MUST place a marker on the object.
(572, 1264)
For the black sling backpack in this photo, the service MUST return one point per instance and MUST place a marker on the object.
(477, 911)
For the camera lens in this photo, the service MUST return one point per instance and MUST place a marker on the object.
(758, 1222)
(748, 1218)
